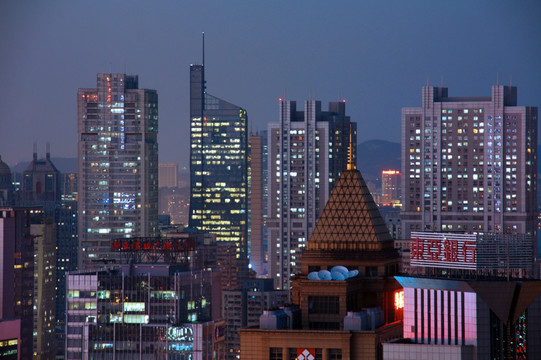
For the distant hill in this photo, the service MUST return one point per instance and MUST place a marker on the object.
(373, 156)
(64, 165)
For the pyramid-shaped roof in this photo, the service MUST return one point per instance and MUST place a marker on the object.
(350, 220)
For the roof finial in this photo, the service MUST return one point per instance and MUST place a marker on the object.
(351, 165)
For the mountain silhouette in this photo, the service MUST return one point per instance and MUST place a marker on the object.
(373, 156)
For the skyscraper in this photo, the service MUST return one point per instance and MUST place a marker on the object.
(307, 152)
(469, 163)
(258, 196)
(118, 164)
(218, 165)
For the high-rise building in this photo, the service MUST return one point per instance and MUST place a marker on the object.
(44, 234)
(390, 188)
(469, 164)
(218, 166)
(307, 151)
(118, 164)
(258, 196)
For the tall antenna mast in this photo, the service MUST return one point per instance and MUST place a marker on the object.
(351, 165)
(203, 49)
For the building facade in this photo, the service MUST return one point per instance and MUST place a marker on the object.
(118, 164)
(142, 311)
(218, 166)
(307, 151)
(44, 237)
(242, 309)
(469, 163)
(468, 296)
(258, 198)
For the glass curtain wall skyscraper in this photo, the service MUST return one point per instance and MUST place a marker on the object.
(118, 164)
(218, 165)
(307, 152)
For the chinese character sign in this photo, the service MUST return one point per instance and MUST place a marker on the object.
(444, 250)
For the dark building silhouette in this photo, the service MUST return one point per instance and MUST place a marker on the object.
(41, 180)
(6, 185)
(17, 273)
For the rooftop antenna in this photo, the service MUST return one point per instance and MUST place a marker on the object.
(48, 149)
(35, 151)
(351, 165)
(203, 60)
(203, 35)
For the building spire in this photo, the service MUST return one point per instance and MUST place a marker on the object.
(203, 49)
(351, 165)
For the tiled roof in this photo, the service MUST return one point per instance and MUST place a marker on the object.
(351, 220)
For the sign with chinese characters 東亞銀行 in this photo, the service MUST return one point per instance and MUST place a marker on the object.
(443, 250)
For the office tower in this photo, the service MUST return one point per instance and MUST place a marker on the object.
(390, 188)
(6, 184)
(469, 163)
(347, 312)
(218, 167)
(162, 301)
(242, 309)
(142, 311)
(67, 244)
(118, 164)
(167, 174)
(17, 273)
(41, 180)
(258, 195)
(306, 155)
(43, 231)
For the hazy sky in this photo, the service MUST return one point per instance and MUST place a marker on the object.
(375, 54)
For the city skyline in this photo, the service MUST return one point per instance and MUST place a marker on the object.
(292, 50)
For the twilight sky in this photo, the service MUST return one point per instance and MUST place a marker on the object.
(375, 54)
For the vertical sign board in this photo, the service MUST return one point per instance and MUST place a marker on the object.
(443, 250)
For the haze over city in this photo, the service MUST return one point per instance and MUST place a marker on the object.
(376, 55)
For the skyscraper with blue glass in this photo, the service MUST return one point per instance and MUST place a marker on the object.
(118, 164)
(218, 165)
